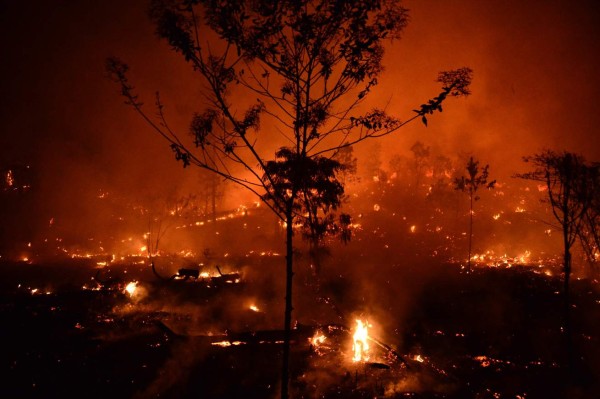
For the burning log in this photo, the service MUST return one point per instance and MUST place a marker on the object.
(184, 274)
(228, 278)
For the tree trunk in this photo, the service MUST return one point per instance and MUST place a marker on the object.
(470, 233)
(315, 255)
(567, 309)
(213, 187)
(285, 367)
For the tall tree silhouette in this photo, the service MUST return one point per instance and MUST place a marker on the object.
(309, 65)
(470, 184)
(570, 187)
(589, 231)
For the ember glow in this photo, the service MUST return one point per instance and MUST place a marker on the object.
(225, 344)
(360, 344)
(318, 339)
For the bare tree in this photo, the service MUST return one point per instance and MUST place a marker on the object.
(212, 189)
(589, 231)
(470, 184)
(567, 178)
(310, 64)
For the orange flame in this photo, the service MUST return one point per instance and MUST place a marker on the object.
(131, 288)
(360, 346)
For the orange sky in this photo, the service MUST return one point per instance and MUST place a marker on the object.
(535, 86)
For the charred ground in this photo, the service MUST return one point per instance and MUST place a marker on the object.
(70, 331)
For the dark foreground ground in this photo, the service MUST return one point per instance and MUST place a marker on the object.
(493, 334)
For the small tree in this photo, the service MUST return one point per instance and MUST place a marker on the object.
(420, 161)
(345, 156)
(470, 184)
(309, 64)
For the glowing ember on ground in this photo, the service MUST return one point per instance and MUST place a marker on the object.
(360, 347)
(254, 308)
(227, 343)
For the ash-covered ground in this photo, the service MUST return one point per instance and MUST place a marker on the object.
(70, 331)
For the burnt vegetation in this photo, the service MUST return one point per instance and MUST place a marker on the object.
(197, 294)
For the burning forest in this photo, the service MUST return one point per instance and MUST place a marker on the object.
(292, 215)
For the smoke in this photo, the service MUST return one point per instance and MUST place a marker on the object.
(534, 87)
(533, 78)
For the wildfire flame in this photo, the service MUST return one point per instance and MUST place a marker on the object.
(360, 347)
(317, 339)
(131, 288)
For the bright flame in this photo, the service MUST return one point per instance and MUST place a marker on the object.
(254, 308)
(225, 344)
(360, 346)
(10, 181)
(317, 339)
(131, 288)
(524, 258)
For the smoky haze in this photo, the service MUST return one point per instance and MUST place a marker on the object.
(97, 171)
(535, 83)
